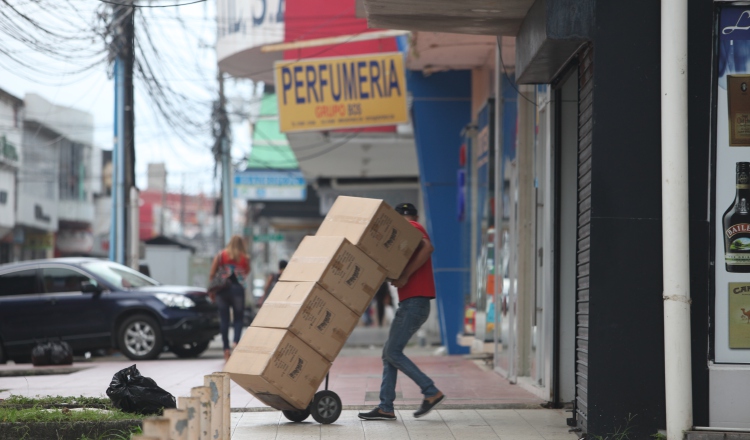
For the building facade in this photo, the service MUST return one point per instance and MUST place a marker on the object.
(11, 122)
(584, 320)
(48, 179)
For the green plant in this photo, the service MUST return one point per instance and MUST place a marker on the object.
(60, 409)
(621, 433)
(116, 435)
(659, 436)
(49, 401)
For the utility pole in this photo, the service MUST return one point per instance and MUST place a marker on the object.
(123, 153)
(128, 55)
(182, 206)
(222, 155)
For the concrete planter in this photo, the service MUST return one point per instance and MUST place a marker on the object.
(66, 430)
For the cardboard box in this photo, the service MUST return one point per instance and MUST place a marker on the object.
(277, 367)
(376, 228)
(339, 267)
(311, 313)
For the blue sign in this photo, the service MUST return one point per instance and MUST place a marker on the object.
(270, 185)
(734, 23)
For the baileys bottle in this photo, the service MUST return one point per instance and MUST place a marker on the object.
(736, 224)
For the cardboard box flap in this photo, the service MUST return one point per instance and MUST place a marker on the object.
(355, 211)
(252, 354)
(290, 292)
(312, 258)
(282, 305)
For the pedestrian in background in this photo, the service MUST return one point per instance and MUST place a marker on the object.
(382, 299)
(416, 287)
(234, 263)
(272, 280)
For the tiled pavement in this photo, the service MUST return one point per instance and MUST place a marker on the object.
(354, 376)
(480, 404)
(453, 424)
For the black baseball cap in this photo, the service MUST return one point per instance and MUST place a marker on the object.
(406, 209)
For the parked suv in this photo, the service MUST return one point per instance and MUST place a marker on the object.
(97, 304)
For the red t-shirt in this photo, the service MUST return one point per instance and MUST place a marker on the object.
(421, 282)
(241, 267)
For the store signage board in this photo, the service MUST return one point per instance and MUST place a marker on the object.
(270, 185)
(340, 93)
(267, 238)
(732, 190)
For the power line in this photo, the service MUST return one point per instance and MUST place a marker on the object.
(152, 6)
(512, 83)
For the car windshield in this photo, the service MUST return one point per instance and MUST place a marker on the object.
(118, 275)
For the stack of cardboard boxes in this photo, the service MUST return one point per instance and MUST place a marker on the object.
(327, 285)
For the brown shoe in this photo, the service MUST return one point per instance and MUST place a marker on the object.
(428, 404)
(227, 353)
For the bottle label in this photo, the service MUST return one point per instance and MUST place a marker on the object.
(742, 125)
(738, 245)
(739, 228)
(735, 259)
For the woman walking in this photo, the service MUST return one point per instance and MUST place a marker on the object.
(234, 263)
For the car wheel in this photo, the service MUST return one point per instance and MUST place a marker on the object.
(189, 349)
(140, 338)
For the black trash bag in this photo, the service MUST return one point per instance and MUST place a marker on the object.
(40, 354)
(133, 393)
(60, 353)
(52, 353)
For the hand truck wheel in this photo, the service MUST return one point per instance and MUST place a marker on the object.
(325, 407)
(297, 415)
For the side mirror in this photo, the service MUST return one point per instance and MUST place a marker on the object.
(89, 287)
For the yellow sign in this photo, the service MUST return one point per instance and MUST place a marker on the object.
(739, 315)
(342, 92)
(40, 241)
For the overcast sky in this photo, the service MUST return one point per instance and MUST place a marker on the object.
(187, 63)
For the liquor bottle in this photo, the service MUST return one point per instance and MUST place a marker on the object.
(736, 224)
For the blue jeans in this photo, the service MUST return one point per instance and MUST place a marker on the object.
(411, 314)
(232, 297)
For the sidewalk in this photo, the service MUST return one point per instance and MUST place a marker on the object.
(480, 404)
(355, 377)
(482, 424)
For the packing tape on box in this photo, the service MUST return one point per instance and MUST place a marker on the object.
(369, 290)
(279, 305)
(251, 349)
(348, 219)
(309, 260)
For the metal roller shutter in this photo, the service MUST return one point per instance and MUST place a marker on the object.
(585, 124)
